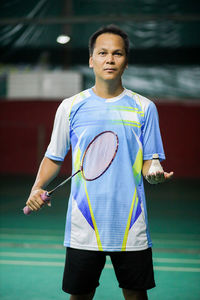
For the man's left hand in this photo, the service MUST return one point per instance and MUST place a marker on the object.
(159, 177)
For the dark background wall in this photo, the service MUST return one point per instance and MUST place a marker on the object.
(26, 133)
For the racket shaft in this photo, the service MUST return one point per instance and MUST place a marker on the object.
(46, 195)
(62, 183)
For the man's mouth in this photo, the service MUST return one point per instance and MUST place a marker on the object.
(110, 69)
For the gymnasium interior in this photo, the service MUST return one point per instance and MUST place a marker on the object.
(43, 60)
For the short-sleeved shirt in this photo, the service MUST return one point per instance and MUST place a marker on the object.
(109, 213)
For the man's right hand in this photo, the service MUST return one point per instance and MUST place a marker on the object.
(35, 201)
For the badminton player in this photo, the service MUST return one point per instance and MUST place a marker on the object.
(106, 216)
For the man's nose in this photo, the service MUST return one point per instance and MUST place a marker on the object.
(110, 59)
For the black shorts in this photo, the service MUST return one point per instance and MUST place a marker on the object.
(133, 269)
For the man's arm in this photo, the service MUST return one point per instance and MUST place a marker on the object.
(47, 172)
(156, 177)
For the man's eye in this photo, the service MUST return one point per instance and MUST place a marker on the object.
(102, 53)
(118, 54)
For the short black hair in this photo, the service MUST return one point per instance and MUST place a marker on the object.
(109, 29)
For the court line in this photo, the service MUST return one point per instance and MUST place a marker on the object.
(46, 237)
(175, 235)
(62, 256)
(177, 250)
(177, 260)
(155, 235)
(31, 263)
(32, 254)
(168, 269)
(38, 231)
(59, 237)
(177, 269)
(31, 245)
(60, 246)
(31, 237)
(176, 242)
(107, 266)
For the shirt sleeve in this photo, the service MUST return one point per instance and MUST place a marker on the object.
(152, 141)
(60, 139)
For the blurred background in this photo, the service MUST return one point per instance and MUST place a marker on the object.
(44, 59)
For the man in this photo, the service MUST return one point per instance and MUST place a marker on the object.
(106, 216)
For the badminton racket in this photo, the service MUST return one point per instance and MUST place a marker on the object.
(96, 159)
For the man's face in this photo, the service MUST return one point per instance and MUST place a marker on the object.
(109, 57)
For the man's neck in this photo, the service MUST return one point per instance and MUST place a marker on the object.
(107, 91)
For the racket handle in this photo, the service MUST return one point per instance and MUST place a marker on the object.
(45, 197)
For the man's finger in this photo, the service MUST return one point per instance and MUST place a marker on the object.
(168, 175)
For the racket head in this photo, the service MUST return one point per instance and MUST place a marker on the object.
(99, 155)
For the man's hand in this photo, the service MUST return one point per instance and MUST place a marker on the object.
(155, 175)
(35, 201)
(47, 172)
(158, 177)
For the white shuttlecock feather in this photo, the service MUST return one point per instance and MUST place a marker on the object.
(155, 165)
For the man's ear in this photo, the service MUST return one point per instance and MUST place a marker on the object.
(90, 62)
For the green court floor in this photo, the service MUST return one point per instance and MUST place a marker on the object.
(32, 252)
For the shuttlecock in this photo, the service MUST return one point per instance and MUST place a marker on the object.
(155, 165)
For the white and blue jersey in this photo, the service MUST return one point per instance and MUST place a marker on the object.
(109, 213)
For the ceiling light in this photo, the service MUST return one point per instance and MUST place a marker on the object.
(63, 39)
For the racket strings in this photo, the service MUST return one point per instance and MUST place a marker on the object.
(97, 158)
(99, 155)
